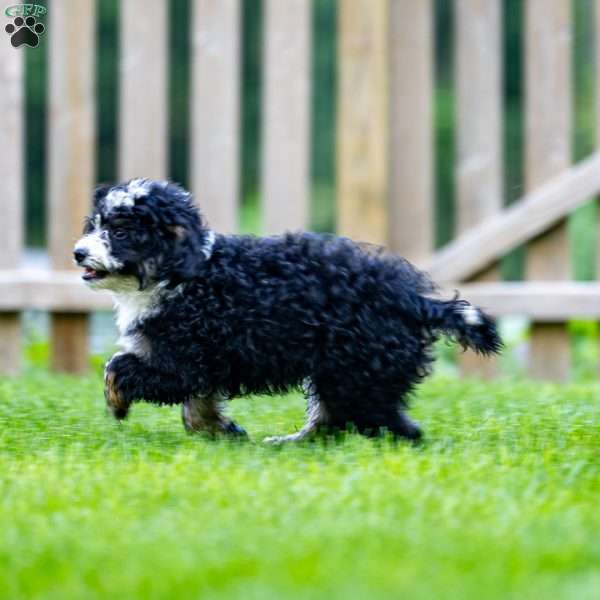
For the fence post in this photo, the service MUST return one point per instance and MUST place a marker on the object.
(411, 124)
(363, 120)
(71, 144)
(596, 9)
(478, 170)
(548, 152)
(13, 200)
(143, 89)
(215, 109)
(286, 122)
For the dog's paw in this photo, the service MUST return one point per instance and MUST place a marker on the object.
(406, 428)
(273, 440)
(234, 430)
(276, 440)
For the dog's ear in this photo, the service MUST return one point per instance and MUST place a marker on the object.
(178, 231)
(191, 243)
(100, 193)
(192, 247)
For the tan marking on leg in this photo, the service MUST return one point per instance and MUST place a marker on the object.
(201, 414)
(204, 414)
(115, 402)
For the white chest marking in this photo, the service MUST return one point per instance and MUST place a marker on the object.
(132, 307)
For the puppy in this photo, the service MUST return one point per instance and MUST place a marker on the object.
(205, 317)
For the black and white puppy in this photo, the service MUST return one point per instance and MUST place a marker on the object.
(205, 317)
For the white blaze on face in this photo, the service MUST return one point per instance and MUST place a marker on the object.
(117, 198)
(137, 188)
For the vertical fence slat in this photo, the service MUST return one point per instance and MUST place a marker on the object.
(363, 120)
(215, 143)
(11, 175)
(286, 121)
(548, 151)
(143, 89)
(478, 171)
(71, 143)
(596, 33)
(411, 218)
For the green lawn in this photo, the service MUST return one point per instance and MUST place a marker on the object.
(501, 501)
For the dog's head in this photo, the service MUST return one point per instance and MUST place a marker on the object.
(142, 232)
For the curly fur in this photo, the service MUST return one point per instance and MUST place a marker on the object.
(229, 315)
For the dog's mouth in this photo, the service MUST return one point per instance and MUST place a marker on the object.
(91, 275)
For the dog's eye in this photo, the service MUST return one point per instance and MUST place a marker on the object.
(119, 234)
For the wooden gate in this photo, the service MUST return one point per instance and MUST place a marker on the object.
(386, 155)
(385, 151)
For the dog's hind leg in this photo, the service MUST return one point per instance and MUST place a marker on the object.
(315, 418)
(407, 428)
(399, 425)
(369, 411)
(204, 414)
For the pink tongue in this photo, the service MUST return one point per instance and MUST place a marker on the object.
(89, 271)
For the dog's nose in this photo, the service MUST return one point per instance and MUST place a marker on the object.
(80, 255)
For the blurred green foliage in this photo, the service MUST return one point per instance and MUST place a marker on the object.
(323, 105)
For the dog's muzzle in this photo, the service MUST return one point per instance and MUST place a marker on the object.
(93, 271)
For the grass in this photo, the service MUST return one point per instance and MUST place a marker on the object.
(501, 500)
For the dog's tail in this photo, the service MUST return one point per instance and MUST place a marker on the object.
(465, 323)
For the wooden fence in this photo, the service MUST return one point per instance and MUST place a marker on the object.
(385, 150)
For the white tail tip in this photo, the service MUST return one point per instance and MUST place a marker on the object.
(471, 315)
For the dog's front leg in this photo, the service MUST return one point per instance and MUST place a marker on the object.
(116, 402)
(128, 378)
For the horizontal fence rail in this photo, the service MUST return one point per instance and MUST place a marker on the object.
(385, 150)
(30, 289)
(526, 219)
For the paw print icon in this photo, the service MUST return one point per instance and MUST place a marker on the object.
(25, 32)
